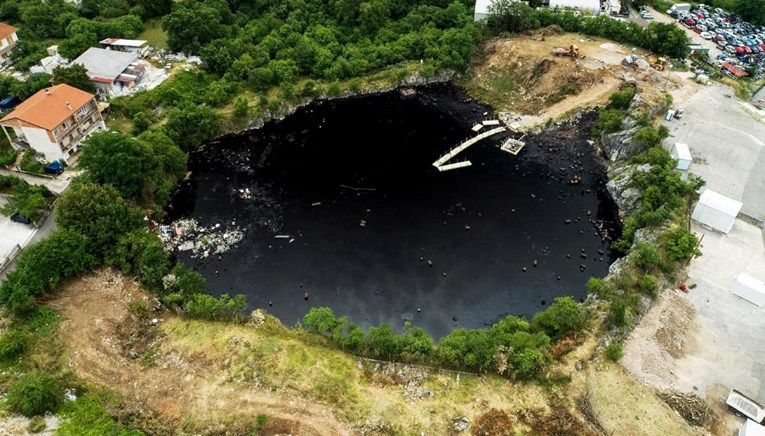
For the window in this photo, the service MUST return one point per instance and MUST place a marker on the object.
(65, 125)
(55, 133)
(83, 110)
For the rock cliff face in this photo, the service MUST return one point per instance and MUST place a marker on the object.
(619, 177)
(620, 145)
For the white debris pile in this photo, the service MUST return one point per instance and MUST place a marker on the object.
(188, 235)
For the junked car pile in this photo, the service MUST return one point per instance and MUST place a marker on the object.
(738, 39)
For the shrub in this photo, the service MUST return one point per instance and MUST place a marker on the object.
(13, 344)
(680, 244)
(646, 256)
(614, 351)
(320, 320)
(562, 317)
(617, 313)
(596, 286)
(206, 306)
(34, 394)
(648, 286)
(621, 99)
(241, 107)
(610, 120)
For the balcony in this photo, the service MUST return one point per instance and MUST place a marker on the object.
(77, 135)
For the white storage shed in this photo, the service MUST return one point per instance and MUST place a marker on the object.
(716, 211)
(750, 289)
(682, 153)
(481, 11)
(751, 428)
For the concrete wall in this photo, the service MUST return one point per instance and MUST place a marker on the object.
(38, 139)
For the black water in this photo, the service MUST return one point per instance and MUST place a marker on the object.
(516, 208)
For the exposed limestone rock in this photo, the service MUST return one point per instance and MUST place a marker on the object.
(620, 145)
(619, 178)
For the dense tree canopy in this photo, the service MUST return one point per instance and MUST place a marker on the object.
(98, 213)
(117, 160)
(76, 75)
(751, 10)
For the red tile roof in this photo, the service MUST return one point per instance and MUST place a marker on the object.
(6, 30)
(48, 108)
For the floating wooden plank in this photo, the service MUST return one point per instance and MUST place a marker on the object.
(477, 127)
(460, 148)
(491, 123)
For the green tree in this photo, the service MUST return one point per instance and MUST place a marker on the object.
(320, 320)
(141, 252)
(191, 126)
(114, 159)
(191, 27)
(28, 200)
(73, 47)
(42, 266)
(76, 76)
(562, 317)
(751, 10)
(680, 244)
(383, 342)
(511, 16)
(34, 393)
(99, 213)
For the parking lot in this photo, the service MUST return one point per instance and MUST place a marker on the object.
(727, 145)
(742, 43)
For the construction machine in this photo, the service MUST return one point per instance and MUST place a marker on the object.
(572, 50)
(658, 64)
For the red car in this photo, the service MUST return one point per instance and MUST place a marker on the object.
(697, 30)
(747, 50)
(739, 50)
(719, 38)
(689, 22)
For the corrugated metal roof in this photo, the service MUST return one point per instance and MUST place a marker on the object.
(104, 63)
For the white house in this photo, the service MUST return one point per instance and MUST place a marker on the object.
(111, 71)
(8, 40)
(54, 122)
(481, 11)
(138, 46)
(586, 6)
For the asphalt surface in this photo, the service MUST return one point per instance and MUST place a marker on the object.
(727, 145)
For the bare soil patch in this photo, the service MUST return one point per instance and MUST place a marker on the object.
(176, 387)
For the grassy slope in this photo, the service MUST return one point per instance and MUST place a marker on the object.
(154, 34)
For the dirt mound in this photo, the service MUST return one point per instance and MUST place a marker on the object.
(494, 422)
(672, 334)
(522, 75)
(106, 318)
(691, 407)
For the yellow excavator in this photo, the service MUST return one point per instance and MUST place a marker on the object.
(658, 63)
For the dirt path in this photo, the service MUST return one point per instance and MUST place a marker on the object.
(179, 390)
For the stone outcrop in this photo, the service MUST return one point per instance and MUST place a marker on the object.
(619, 177)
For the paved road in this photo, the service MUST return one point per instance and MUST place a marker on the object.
(727, 145)
(56, 186)
(46, 228)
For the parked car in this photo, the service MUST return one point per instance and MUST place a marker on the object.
(53, 168)
(19, 218)
(705, 35)
(9, 103)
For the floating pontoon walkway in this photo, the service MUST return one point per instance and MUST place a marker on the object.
(441, 161)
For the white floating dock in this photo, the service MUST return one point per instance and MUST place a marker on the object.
(491, 123)
(460, 148)
(513, 146)
(477, 127)
(454, 166)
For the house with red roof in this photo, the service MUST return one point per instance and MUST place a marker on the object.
(54, 122)
(8, 40)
